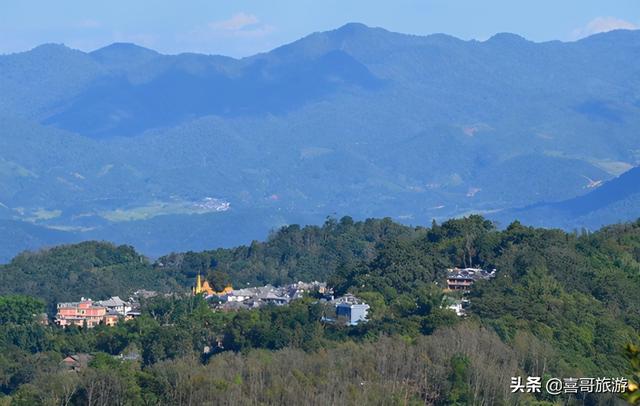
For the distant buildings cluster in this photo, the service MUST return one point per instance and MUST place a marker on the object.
(347, 309)
(89, 313)
(254, 297)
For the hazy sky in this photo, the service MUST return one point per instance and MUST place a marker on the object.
(244, 27)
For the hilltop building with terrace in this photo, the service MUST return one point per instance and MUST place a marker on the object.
(463, 279)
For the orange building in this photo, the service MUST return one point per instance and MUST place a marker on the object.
(111, 318)
(79, 313)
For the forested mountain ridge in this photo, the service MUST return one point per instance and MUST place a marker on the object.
(124, 143)
(609, 202)
(89, 269)
(562, 303)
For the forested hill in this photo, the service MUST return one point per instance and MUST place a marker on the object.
(562, 304)
(296, 253)
(98, 269)
(90, 269)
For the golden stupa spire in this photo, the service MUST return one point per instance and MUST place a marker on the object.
(198, 288)
(202, 286)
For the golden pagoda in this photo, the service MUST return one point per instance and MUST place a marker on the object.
(202, 286)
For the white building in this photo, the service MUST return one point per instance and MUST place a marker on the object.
(115, 304)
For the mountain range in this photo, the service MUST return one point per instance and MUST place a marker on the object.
(189, 151)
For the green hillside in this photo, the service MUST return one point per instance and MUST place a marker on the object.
(561, 305)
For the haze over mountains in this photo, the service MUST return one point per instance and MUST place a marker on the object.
(178, 152)
(615, 201)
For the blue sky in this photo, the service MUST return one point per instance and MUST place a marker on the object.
(244, 27)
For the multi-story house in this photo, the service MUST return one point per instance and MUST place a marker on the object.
(462, 279)
(81, 313)
(89, 313)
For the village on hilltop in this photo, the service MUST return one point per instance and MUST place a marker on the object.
(348, 309)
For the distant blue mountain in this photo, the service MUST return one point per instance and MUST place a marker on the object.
(614, 191)
(128, 144)
(114, 105)
(123, 57)
(615, 201)
(18, 236)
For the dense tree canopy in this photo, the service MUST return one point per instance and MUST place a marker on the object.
(561, 305)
